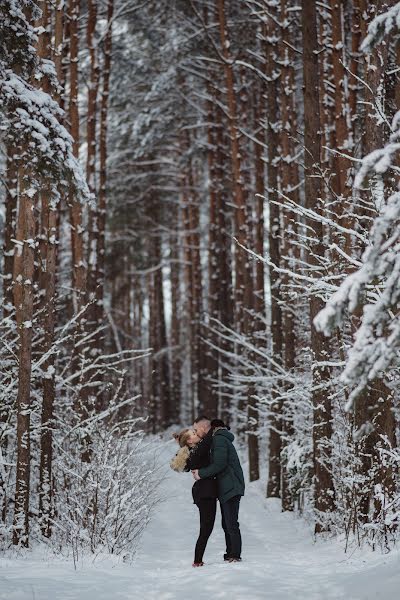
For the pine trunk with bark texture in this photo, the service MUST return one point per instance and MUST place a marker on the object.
(322, 410)
(275, 443)
(50, 200)
(23, 298)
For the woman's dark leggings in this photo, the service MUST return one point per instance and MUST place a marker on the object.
(207, 508)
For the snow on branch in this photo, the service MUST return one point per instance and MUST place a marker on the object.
(380, 27)
(33, 122)
(377, 340)
(380, 161)
(29, 118)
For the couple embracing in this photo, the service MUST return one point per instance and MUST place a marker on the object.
(207, 451)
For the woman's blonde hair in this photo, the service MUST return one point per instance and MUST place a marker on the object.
(182, 437)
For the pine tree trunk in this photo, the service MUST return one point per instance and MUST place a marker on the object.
(48, 256)
(9, 229)
(356, 17)
(196, 284)
(162, 360)
(101, 211)
(259, 316)
(23, 299)
(374, 419)
(91, 141)
(274, 470)
(211, 400)
(340, 163)
(78, 257)
(225, 296)
(79, 263)
(160, 377)
(237, 181)
(322, 429)
(175, 337)
(188, 278)
(11, 195)
(289, 183)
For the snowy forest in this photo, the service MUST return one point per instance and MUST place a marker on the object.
(200, 214)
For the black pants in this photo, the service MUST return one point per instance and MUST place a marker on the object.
(207, 508)
(230, 524)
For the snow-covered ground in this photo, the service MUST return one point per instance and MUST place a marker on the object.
(280, 561)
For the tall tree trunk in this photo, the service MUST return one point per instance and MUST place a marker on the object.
(373, 413)
(102, 196)
(162, 360)
(237, 181)
(343, 131)
(289, 183)
(9, 229)
(48, 255)
(354, 85)
(274, 471)
(11, 195)
(339, 76)
(322, 410)
(259, 316)
(79, 267)
(23, 299)
(138, 370)
(160, 377)
(211, 401)
(225, 296)
(91, 141)
(188, 278)
(197, 300)
(175, 337)
(79, 264)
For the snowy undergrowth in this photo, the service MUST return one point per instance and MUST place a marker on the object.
(100, 508)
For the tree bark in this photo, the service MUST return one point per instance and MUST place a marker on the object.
(48, 260)
(102, 197)
(211, 401)
(93, 311)
(79, 263)
(9, 229)
(78, 257)
(259, 316)
(237, 181)
(275, 443)
(322, 410)
(374, 419)
(161, 400)
(175, 337)
(289, 182)
(23, 299)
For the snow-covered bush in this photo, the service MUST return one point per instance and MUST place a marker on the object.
(105, 505)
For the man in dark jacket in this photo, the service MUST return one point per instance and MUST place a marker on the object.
(226, 466)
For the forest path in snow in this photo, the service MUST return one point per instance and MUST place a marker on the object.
(280, 560)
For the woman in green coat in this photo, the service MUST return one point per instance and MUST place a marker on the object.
(225, 464)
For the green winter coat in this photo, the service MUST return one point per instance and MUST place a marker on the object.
(225, 465)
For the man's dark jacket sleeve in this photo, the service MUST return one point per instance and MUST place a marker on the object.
(220, 458)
